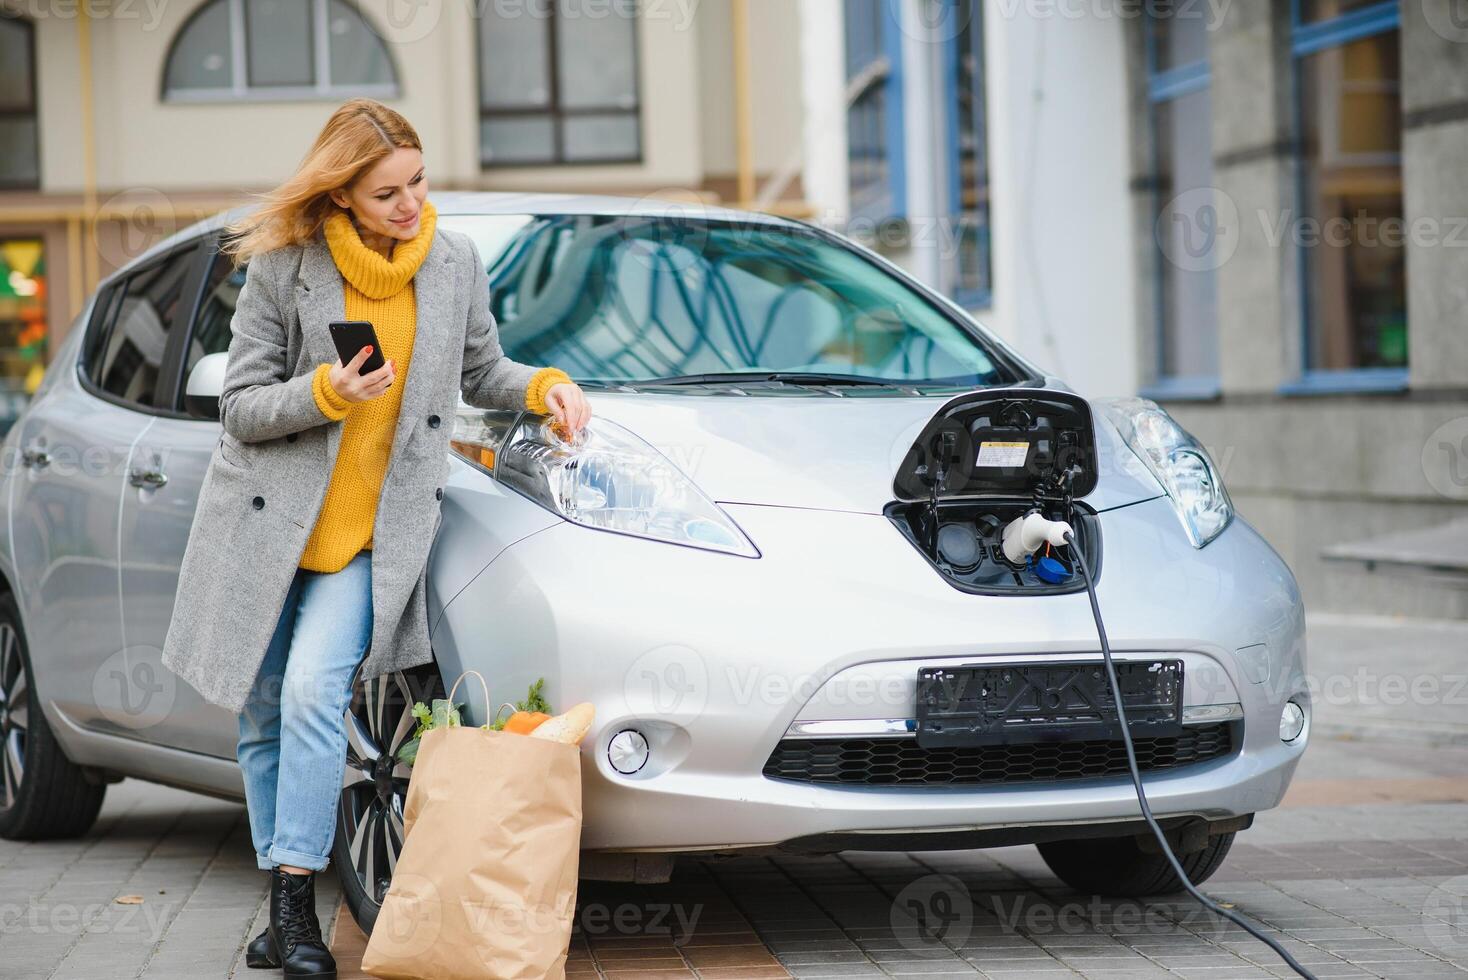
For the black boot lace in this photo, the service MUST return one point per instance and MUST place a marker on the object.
(298, 919)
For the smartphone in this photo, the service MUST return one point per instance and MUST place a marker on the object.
(350, 336)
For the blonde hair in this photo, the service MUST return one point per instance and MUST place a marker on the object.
(359, 133)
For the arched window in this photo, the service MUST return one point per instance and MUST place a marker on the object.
(277, 49)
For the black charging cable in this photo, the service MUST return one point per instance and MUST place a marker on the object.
(1131, 759)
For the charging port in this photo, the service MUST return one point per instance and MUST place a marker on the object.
(991, 484)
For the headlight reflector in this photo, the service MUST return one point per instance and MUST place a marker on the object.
(1179, 462)
(607, 478)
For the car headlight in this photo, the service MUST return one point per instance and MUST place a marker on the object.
(1179, 462)
(607, 478)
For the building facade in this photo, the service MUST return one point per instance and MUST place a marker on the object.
(122, 121)
(1254, 212)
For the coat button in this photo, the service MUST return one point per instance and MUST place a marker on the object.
(438, 494)
(433, 421)
(258, 502)
(290, 437)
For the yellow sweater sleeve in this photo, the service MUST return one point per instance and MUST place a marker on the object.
(332, 405)
(540, 383)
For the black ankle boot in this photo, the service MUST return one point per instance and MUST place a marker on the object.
(260, 954)
(294, 929)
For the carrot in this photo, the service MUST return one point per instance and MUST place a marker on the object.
(524, 722)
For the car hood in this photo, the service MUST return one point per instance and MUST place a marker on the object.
(804, 449)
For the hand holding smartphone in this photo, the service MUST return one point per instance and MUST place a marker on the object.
(350, 336)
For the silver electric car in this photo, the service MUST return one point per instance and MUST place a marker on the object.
(819, 562)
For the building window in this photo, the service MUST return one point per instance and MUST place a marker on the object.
(968, 154)
(874, 134)
(558, 83)
(1189, 247)
(23, 332)
(1351, 241)
(277, 49)
(20, 158)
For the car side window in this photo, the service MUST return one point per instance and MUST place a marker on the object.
(132, 334)
(211, 333)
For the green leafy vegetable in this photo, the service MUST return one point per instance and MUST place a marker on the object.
(534, 701)
(443, 714)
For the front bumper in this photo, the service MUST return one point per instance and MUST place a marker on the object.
(712, 657)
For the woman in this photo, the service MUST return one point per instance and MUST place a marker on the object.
(323, 472)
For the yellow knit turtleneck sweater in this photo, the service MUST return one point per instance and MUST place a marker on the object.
(379, 290)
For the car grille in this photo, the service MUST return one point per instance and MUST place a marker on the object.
(901, 761)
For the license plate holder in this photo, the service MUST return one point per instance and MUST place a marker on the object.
(1008, 703)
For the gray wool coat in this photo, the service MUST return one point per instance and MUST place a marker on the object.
(267, 478)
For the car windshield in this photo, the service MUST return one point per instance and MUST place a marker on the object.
(616, 299)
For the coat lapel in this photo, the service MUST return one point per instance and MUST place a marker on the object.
(321, 299)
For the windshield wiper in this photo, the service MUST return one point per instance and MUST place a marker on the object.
(778, 377)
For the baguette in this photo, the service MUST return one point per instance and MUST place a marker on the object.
(570, 727)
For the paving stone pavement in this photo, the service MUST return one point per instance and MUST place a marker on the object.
(1363, 873)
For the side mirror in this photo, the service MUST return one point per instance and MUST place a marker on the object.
(206, 381)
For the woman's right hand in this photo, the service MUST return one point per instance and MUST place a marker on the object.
(356, 387)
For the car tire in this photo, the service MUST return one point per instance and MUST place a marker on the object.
(1118, 867)
(43, 794)
(369, 810)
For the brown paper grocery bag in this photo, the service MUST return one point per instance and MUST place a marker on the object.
(485, 885)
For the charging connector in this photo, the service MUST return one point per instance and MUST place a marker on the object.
(1131, 758)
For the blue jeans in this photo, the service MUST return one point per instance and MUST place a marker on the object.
(293, 744)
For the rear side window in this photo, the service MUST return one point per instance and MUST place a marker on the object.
(128, 340)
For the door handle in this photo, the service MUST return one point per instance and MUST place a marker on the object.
(148, 478)
(35, 458)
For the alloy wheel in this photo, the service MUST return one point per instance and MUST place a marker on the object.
(14, 717)
(375, 782)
